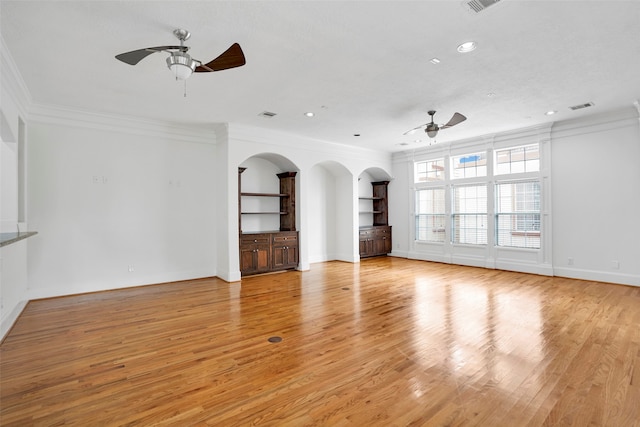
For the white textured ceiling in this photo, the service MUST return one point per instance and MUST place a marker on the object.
(362, 66)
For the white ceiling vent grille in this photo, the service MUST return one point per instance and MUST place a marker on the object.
(479, 5)
(267, 114)
(581, 106)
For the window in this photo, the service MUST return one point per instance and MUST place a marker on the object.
(469, 214)
(431, 170)
(518, 160)
(518, 214)
(469, 166)
(430, 215)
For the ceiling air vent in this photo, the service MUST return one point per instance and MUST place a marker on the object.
(479, 5)
(581, 106)
(268, 114)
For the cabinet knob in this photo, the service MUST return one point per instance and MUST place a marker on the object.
(255, 240)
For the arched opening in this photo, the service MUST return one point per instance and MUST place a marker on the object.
(331, 209)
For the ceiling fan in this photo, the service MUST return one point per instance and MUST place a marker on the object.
(181, 63)
(432, 128)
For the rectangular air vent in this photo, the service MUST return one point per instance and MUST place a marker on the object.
(479, 5)
(581, 106)
(267, 114)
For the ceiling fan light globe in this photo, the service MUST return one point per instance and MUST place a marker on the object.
(431, 133)
(181, 65)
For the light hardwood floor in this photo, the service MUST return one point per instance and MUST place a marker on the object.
(387, 342)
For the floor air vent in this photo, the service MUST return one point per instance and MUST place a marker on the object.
(479, 5)
(268, 114)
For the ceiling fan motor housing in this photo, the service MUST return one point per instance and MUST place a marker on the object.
(181, 65)
(432, 130)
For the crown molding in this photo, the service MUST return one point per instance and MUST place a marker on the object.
(15, 86)
(60, 115)
(615, 119)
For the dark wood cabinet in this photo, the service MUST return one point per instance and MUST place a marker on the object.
(380, 203)
(287, 201)
(255, 250)
(268, 251)
(284, 250)
(265, 251)
(375, 240)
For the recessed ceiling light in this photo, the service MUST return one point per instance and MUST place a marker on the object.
(551, 112)
(434, 60)
(467, 47)
(309, 114)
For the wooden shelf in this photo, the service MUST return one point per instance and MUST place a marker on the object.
(371, 198)
(264, 194)
(370, 212)
(263, 213)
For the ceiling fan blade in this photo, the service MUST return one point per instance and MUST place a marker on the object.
(231, 58)
(135, 56)
(457, 118)
(411, 131)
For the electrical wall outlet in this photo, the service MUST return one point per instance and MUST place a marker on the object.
(570, 261)
(131, 268)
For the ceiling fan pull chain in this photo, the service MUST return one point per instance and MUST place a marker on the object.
(185, 88)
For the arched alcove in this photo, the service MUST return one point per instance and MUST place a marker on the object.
(376, 174)
(374, 230)
(366, 177)
(331, 213)
(260, 176)
(280, 161)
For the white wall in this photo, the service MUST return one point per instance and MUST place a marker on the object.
(322, 230)
(596, 198)
(116, 208)
(590, 176)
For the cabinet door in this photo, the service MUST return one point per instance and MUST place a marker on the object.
(379, 245)
(262, 258)
(292, 255)
(285, 250)
(382, 240)
(366, 237)
(387, 244)
(254, 253)
(285, 256)
(254, 259)
(279, 257)
(247, 260)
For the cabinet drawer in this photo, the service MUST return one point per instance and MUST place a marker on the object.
(383, 231)
(366, 234)
(285, 238)
(247, 239)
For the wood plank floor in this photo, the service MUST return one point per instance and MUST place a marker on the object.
(387, 342)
